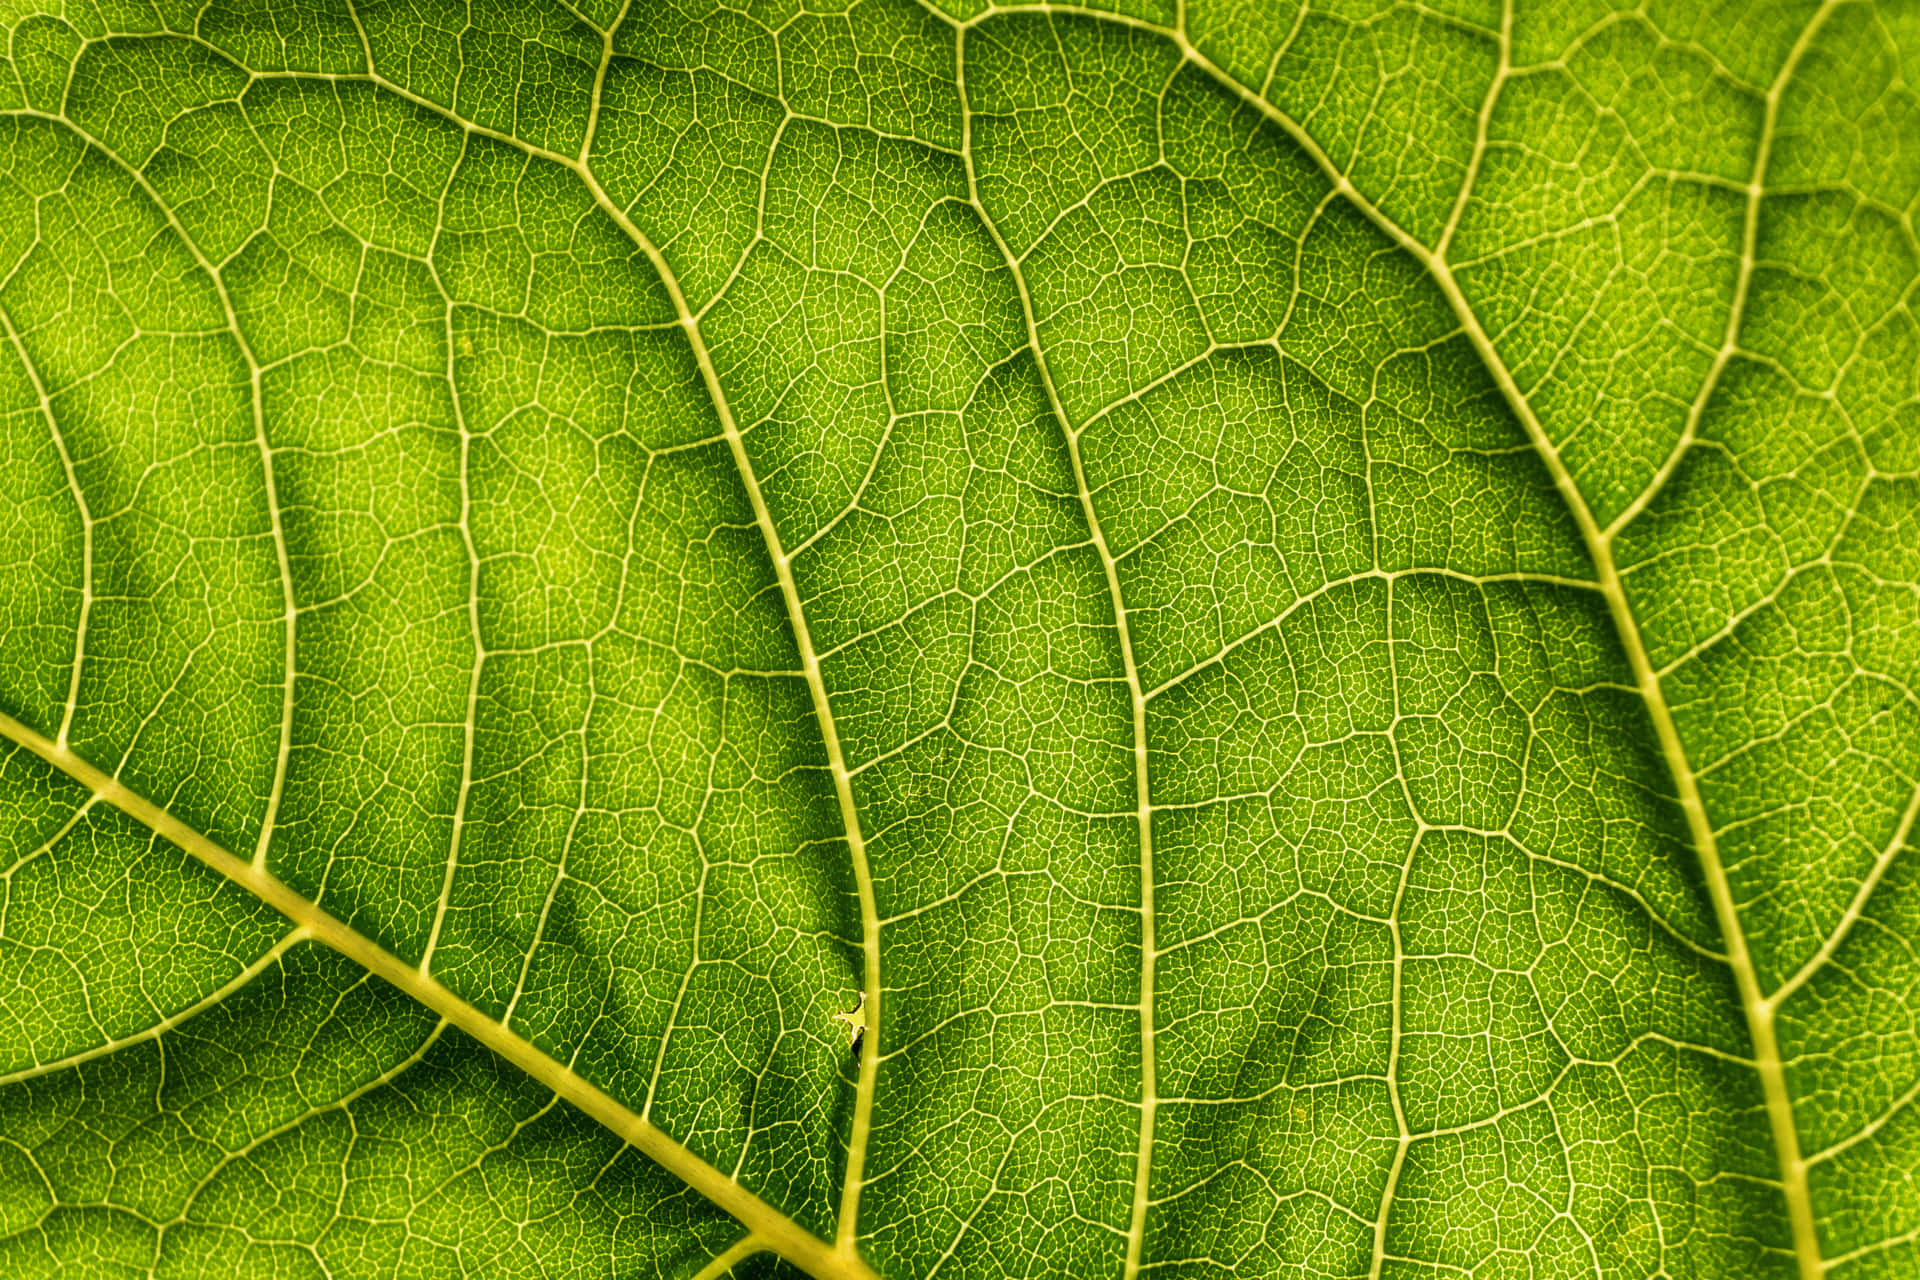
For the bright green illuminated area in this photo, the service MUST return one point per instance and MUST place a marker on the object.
(1307, 618)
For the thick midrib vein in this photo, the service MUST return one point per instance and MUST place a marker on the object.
(1759, 1011)
(689, 320)
(773, 1229)
(858, 1131)
(1136, 695)
(1758, 1008)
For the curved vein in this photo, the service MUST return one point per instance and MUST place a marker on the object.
(86, 520)
(1754, 191)
(1136, 695)
(823, 713)
(1756, 1007)
(774, 1229)
(256, 399)
(689, 321)
(153, 1032)
(469, 730)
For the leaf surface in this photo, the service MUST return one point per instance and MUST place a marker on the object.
(1307, 621)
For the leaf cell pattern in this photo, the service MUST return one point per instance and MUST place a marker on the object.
(1313, 615)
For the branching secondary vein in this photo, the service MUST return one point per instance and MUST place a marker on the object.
(779, 1233)
(1136, 695)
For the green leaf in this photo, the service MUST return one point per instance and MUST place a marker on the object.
(1306, 623)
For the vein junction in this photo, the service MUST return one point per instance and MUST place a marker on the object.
(1256, 625)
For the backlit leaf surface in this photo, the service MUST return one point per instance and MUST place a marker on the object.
(1308, 617)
